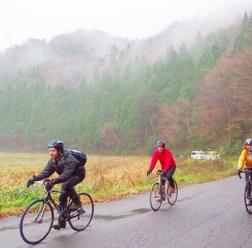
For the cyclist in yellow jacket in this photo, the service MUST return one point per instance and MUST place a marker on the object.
(245, 159)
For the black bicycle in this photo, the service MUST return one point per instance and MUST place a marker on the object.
(37, 219)
(155, 201)
(247, 191)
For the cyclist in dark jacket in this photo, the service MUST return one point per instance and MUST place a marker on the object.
(70, 172)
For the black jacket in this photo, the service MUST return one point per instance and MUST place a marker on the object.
(65, 167)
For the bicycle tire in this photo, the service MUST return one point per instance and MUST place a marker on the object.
(154, 196)
(248, 198)
(173, 197)
(81, 218)
(36, 221)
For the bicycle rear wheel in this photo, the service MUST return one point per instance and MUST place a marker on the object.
(154, 196)
(81, 218)
(36, 221)
(172, 198)
(248, 198)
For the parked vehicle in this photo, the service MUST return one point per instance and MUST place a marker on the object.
(209, 155)
(198, 155)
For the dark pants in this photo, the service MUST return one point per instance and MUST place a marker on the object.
(68, 188)
(168, 175)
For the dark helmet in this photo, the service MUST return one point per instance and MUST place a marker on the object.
(161, 143)
(248, 142)
(59, 145)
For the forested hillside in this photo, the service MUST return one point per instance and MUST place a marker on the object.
(195, 97)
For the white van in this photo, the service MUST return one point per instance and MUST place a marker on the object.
(198, 155)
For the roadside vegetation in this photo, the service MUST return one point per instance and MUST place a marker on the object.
(108, 177)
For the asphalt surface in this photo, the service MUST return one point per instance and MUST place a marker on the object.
(205, 215)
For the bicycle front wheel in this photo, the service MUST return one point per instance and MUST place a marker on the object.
(155, 202)
(248, 198)
(172, 198)
(36, 221)
(81, 218)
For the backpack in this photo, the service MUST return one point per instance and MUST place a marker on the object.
(80, 156)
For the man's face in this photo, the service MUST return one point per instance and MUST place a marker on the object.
(160, 149)
(53, 153)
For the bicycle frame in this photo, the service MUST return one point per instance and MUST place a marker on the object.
(48, 198)
(162, 187)
(64, 214)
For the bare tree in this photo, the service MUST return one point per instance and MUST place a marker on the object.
(225, 101)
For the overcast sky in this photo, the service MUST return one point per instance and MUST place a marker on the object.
(43, 19)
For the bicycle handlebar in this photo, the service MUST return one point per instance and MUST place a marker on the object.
(159, 174)
(244, 171)
(43, 183)
(37, 182)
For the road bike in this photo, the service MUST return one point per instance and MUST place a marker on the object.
(37, 219)
(157, 187)
(247, 190)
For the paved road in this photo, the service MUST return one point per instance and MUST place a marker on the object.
(205, 215)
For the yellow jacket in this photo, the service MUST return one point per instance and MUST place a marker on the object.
(245, 160)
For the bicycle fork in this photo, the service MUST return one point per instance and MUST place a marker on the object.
(40, 215)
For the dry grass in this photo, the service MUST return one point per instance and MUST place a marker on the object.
(112, 171)
(107, 177)
(101, 171)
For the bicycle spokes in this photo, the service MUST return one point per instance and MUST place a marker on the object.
(36, 222)
(82, 217)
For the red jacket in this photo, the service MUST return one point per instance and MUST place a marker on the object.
(165, 158)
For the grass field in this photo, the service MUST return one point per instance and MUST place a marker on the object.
(107, 177)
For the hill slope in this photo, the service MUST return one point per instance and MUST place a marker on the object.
(192, 97)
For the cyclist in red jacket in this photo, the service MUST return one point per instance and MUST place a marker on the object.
(167, 162)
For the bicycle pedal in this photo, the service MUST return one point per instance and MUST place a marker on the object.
(56, 227)
(80, 211)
